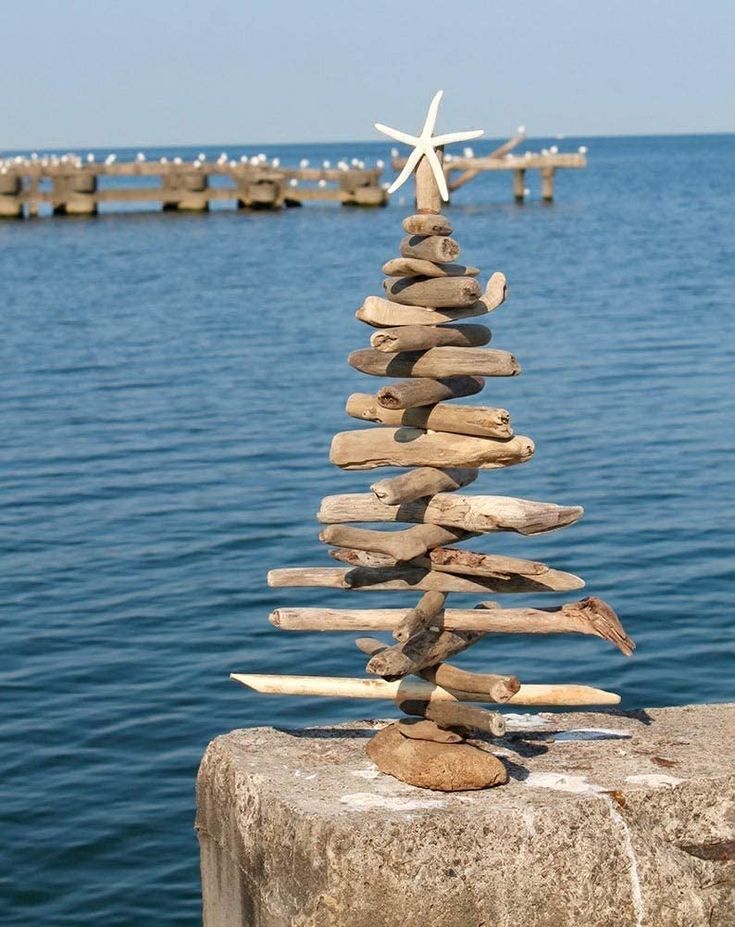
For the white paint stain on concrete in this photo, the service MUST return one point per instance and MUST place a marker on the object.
(368, 801)
(655, 780)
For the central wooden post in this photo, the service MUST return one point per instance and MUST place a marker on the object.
(547, 184)
(519, 185)
(428, 198)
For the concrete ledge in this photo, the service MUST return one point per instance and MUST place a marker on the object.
(609, 820)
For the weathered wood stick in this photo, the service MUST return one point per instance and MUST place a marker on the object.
(425, 648)
(369, 448)
(434, 292)
(481, 421)
(436, 362)
(401, 578)
(495, 292)
(515, 573)
(589, 616)
(415, 267)
(421, 483)
(401, 545)
(470, 513)
(423, 337)
(428, 198)
(418, 689)
(484, 686)
(409, 394)
(453, 714)
(427, 224)
(439, 249)
(428, 608)
(381, 313)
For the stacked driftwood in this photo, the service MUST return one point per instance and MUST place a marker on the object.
(422, 341)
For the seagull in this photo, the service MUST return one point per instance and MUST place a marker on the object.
(110, 159)
(468, 152)
(554, 149)
(424, 145)
(326, 164)
(90, 158)
(582, 149)
(276, 162)
(380, 163)
(140, 156)
(304, 162)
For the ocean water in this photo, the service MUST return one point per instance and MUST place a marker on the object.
(169, 388)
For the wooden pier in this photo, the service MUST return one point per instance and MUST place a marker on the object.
(461, 170)
(70, 186)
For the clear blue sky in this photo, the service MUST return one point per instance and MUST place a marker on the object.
(81, 73)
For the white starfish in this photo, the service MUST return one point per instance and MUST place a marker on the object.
(424, 145)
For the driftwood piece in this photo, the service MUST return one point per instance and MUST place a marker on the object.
(422, 391)
(428, 197)
(481, 421)
(423, 337)
(439, 249)
(434, 292)
(420, 483)
(470, 513)
(495, 292)
(403, 577)
(416, 267)
(436, 362)
(517, 574)
(382, 313)
(427, 224)
(427, 610)
(423, 729)
(369, 448)
(425, 648)
(589, 616)
(400, 545)
(452, 714)
(416, 689)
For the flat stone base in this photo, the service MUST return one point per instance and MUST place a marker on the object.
(608, 820)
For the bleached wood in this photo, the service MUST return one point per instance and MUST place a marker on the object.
(399, 578)
(439, 249)
(427, 224)
(495, 293)
(428, 196)
(346, 687)
(456, 715)
(423, 337)
(382, 313)
(470, 513)
(434, 292)
(423, 391)
(400, 545)
(416, 267)
(421, 483)
(588, 616)
(436, 362)
(425, 648)
(369, 448)
(480, 421)
(428, 608)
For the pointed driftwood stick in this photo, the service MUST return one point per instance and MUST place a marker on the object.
(470, 513)
(417, 267)
(425, 648)
(439, 249)
(418, 689)
(481, 421)
(401, 545)
(399, 578)
(588, 616)
(427, 610)
(426, 392)
(367, 449)
(421, 483)
(433, 292)
(381, 313)
(535, 577)
(423, 337)
(427, 224)
(436, 362)
(495, 292)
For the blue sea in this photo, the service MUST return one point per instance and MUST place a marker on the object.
(170, 384)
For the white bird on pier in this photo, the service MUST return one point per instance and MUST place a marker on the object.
(293, 182)
(304, 162)
(202, 156)
(326, 165)
(343, 166)
(582, 149)
(354, 162)
(424, 145)
(232, 163)
(394, 152)
(90, 158)
(164, 160)
(140, 157)
(322, 182)
(380, 163)
(554, 149)
(276, 162)
(521, 130)
(254, 161)
(110, 159)
(177, 161)
(196, 163)
(468, 152)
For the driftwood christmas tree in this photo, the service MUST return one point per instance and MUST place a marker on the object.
(432, 355)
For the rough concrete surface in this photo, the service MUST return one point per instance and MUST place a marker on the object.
(608, 820)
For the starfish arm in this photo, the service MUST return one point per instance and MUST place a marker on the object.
(395, 134)
(436, 168)
(456, 137)
(411, 162)
(428, 128)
